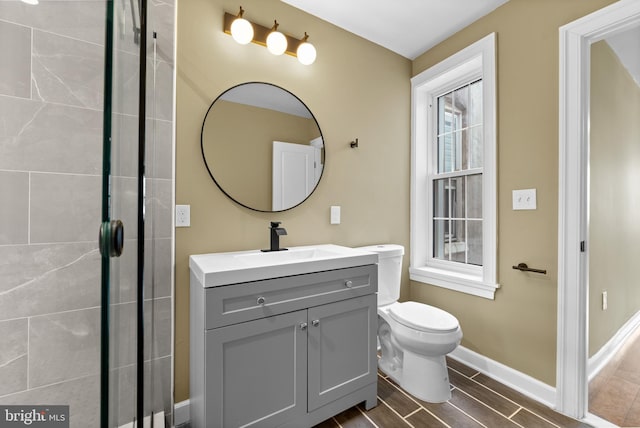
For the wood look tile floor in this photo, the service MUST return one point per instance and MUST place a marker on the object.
(614, 394)
(476, 401)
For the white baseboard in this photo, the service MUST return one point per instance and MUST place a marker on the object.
(181, 413)
(519, 381)
(609, 349)
(597, 421)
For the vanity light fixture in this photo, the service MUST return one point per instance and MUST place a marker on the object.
(244, 31)
(276, 41)
(306, 51)
(241, 29)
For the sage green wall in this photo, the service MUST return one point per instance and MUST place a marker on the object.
(518, 328)
(614, 229)
(355, 89)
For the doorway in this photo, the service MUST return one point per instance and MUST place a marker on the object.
(296, 172)
(614, 201)
(576, 40)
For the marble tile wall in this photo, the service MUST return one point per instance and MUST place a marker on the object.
(51, 98)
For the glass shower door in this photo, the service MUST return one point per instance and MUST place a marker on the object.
(122, 227)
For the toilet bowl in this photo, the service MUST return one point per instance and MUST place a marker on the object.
(414, 337)
(414, 349)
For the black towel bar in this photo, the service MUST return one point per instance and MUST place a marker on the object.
(524, 268)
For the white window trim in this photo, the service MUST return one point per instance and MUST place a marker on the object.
(476, 61)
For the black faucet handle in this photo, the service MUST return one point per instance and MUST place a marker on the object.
(275, 224)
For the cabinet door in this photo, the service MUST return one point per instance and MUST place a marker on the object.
(256, 372)
(342, 349)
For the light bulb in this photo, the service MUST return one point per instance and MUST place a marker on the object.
(30, 1)
(276, 42)
(241, 29)
(306, 53)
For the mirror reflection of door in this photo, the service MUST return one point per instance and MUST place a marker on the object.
(296, 171)
(614, 229)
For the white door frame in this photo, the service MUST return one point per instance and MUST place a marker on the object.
(573, 214)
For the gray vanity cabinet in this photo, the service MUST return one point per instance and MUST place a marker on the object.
(256, 372)
(340, 355)
(283, 352)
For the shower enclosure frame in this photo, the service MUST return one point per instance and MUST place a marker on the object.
(111, 231)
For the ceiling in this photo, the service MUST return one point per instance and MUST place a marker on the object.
(267, 96)
(411, 27)
(407, 27)
(627, 46)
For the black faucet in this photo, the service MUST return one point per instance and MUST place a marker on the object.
(275, 236)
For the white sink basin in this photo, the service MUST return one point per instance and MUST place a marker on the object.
(288, 256)
(229, 268)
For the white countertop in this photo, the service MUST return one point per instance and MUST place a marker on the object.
(217, 269)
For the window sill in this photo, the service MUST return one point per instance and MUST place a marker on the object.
(454, 281)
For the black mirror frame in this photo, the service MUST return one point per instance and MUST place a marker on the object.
(324, 154)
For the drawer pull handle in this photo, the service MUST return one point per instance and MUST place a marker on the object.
(303, 326)
(261, 300)
(348, 283)
(315, 323)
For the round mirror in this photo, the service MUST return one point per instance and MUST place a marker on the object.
(262, 147)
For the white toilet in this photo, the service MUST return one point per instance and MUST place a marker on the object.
(414, 337)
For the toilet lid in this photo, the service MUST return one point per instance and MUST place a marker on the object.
(423, 317)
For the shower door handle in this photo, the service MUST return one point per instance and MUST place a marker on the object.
(111, 238)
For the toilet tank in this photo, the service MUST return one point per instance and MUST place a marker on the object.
(389, 271)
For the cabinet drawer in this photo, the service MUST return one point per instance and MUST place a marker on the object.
(247, 301)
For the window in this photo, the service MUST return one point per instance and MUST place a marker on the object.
(453, 194)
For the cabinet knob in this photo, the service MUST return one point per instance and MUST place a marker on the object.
(261, 300)
(348, 283)
(315, 323)
(303, 326)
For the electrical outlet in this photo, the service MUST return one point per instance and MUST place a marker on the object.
(605, 302)
(183, 215)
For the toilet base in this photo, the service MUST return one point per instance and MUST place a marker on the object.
(423, 377)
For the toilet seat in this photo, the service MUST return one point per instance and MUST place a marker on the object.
(423, 317)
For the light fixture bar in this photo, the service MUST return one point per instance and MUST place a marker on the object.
(260, 34)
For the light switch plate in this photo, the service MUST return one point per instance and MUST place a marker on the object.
(524, 199)
(335, 214)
